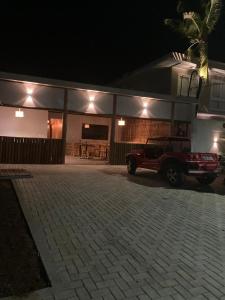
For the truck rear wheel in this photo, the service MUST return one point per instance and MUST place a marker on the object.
(207, 179)
(131, 167)
(174, 174)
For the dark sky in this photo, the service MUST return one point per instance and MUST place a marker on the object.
(92, 43)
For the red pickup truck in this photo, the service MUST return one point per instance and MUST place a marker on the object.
(171, 156)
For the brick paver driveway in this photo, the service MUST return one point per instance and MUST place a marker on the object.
(103, 236)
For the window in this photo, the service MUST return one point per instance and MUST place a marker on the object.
(183, 85)
(153, 151)
(95, 132)
(218, 88)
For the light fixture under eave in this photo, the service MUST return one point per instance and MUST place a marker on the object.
(29, 91)
(86, 126)
(121, 122)
(19, 113)
(145, 104)
(91, 97)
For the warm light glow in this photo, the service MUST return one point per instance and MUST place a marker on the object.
(29, 91)
(86, 126)
(92, 97)
(121, 122)
(203, 72)
(19, 113)
(145, 110)
(145, 104)
(215, 147)
(91, 106)
(29, 99)
(215, 144)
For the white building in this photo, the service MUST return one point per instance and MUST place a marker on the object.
(171, 75)
(81, 119)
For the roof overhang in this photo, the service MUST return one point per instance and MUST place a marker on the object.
(210, 116)
(55, 83)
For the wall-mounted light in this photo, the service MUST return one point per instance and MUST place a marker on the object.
(29, 101)
(92, 98)
(145, 104)
(86, 125)
(91, 105)
(215, 144)
(19, 113)
(29, 91)
(91, 95)
(121, 122)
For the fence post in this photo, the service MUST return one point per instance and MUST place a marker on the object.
(172, 118)
(64, 125)
(113, 129)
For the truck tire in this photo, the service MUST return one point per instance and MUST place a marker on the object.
(131, 167)
(206, 179)
(174, 174)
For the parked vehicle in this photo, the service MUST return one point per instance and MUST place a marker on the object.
(172, 157)
(222, 164)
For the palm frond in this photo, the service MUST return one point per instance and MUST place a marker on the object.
(186, 28)
(175, 25)
(190, 54)
(180, 7)
(193, 23)
(213, 14)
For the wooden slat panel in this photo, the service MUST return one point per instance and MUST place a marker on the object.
(30, 150)
(138, 130)
(119, 151)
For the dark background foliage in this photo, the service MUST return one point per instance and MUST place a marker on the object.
(92, 42)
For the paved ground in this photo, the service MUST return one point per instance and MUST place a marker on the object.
(104, 235)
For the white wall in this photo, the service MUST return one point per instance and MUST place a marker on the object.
(79, 102)
(34, 123)
(133, 107)
(14, 93)
(74, 127)
(203, 134)
(183, 112)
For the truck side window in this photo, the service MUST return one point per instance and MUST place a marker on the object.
(169, 148)
(153, 152)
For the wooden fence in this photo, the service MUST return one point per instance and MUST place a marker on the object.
(118, 151)
(15, 150)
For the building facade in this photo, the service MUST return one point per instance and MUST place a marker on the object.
(66, 118)
(175, 76)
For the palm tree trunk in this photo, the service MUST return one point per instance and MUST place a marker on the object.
(203, 65)
(204, 96)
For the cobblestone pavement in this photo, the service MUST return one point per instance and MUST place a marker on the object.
(103, 236)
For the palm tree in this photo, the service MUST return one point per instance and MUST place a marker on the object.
(196, 25)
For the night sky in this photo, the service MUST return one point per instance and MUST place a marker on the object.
(91, 43)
